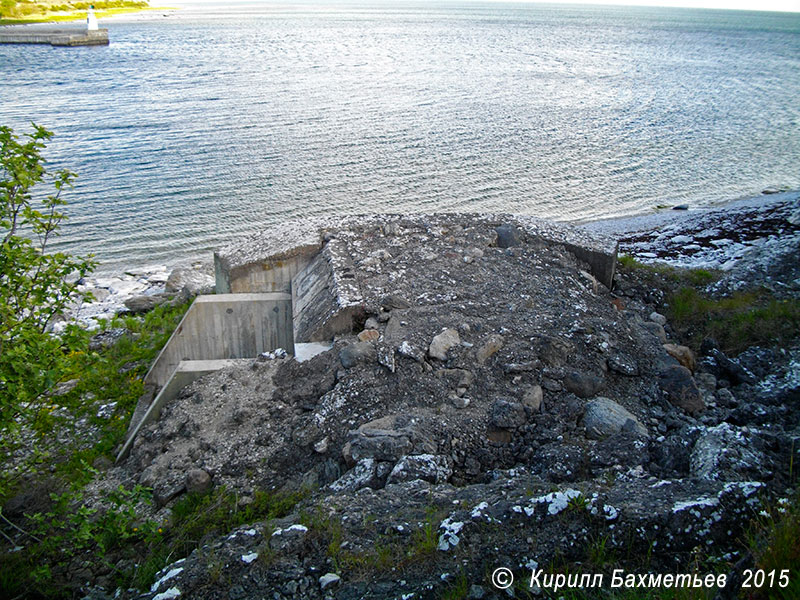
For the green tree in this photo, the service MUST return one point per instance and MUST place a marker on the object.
(35, 285)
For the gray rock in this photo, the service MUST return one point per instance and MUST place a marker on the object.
(411, 351)
(551, 385)
(321, 447)
(106, 339)
(197, 481)
(459, 401)
(386, 357)
(507, 414)
(623, 364)
(533, 398)
(555, 351)
(730, 369)
(142, 304)
(393, 301)
(360, 476)
(191, 282)
(583, 385)
(96, 594)
(604, 417)
(288, 539)
(522, 367)
(65, 387)
(428, 467)
(727, 453)
(442, 343)
(385, 439)
(507, 236)
(677, 382)
(476, 592)
(706, 381)
(166, 490)
(356, 353)
(657, 330)
(656, 317)
(726, 398)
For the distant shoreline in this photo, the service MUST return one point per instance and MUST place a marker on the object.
(77, 16)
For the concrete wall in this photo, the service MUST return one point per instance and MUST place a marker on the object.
(227, 326)
(601, 264)
(266, 275)
(326, 299)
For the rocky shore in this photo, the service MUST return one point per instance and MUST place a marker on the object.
(137, 291)
(496, 406)
(499, 409)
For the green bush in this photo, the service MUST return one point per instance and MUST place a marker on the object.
(35, 285)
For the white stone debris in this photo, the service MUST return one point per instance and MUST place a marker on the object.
(171, 593)
(556, 501)
(449, 539)
(170, 574)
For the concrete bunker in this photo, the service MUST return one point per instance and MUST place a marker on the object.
(298, 284)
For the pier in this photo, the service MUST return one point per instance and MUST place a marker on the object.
(54, 37)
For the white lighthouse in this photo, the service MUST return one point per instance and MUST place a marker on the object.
(91, 20)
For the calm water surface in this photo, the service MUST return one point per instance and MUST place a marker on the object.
(190, 131)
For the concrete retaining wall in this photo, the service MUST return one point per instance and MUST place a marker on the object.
(326, 300)
(227, 326)
(268, 275)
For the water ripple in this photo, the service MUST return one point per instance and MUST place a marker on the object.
(190, 132)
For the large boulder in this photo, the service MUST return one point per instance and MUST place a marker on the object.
(138, 305)
(428, 467)
(386, 439)
(604, 417)
(191, 281)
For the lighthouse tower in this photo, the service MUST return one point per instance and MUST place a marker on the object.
(91, 20)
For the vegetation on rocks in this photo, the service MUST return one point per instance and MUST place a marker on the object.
(65, 449)
(65, 400)
(736, 321)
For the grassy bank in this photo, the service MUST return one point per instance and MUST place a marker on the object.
(753, 317)
(24, 13)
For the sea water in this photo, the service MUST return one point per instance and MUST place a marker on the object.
(192, 129)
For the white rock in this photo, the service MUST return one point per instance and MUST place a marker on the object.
(328, 579)
(126, 288)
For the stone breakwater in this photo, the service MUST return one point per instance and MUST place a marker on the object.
(55, 37)
(489, 394)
